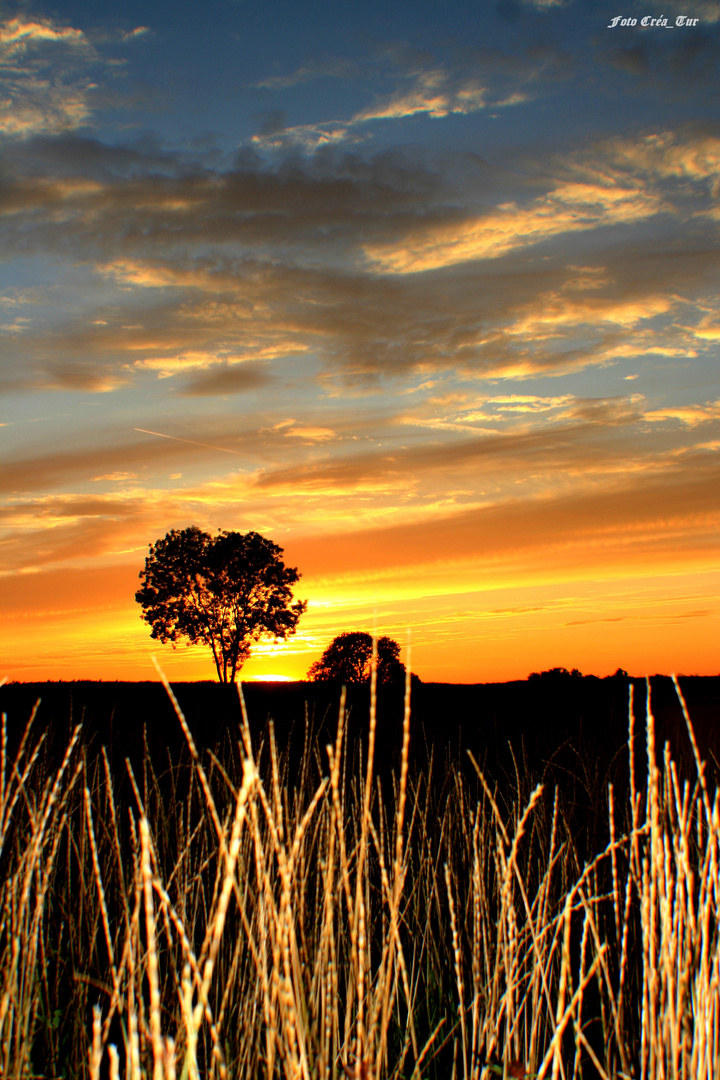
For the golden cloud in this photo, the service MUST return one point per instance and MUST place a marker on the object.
(691, 415)
(46, 95)
(571, 207)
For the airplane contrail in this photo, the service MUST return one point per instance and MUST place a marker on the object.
(208, 446)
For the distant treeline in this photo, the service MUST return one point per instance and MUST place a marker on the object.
(560, 728)
(535, 715)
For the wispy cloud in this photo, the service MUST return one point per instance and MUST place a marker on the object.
(18, 37)
(330, 67)
(544, 474)
(575, 447)
(224, 378)
(691, 415)
(420, 85)
(569, 208)
(48, 73)
(433, 93)
(371, 267)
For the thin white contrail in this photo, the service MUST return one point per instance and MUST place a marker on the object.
(208, 446)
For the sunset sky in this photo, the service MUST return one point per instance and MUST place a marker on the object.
(428, 293)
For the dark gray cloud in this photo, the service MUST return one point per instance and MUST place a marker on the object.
(535, 63)
(364, 328)
(194, 268)
(227, 379)
(71, 155)
(270, 122)
(290, 209)
(681, 61)
(121, 203)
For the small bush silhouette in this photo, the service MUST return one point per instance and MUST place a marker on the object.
(556, 673)
(348, 658)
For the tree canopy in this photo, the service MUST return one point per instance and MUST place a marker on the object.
(556, 673)
(225, 591)
(348, 658)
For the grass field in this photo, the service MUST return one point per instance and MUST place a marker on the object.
(234, 918)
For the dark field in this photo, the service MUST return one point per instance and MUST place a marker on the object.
(574, 724)
(497, 895)
(563, 731)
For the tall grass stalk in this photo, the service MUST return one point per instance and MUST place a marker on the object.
(232, 920)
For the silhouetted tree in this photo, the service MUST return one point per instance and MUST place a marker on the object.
(556, 673)
(348, 657)
(226, 591)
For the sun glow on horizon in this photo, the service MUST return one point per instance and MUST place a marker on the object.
(478, 630)
(270, 678)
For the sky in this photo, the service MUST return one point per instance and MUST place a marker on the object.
(427, 293)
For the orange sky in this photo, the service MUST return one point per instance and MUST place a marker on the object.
(486, 595)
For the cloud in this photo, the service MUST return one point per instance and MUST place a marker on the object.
(707, 10)
(358, 329)
(568, 208)
(84, 377)
(580, 488)
(679, 65)
(141, 454)
(668, 154)
(48, 73)
(706, 331)
(227, 379)
(432, 93)
(691, 415)
(310, 138)
(133, 35)
(332, 67)
(575, 446)
(434, 465)
(670, 519)
(478, 413)
(401, 213)
(17, 37)
(79, 376)
(577, 524)
(361, 269)
(271, 121)
(409, 82)
(310, 434)
(420, 85)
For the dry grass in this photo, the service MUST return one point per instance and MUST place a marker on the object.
(223, 924)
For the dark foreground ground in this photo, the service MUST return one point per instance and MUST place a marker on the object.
(566, 730)
(538, 713)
